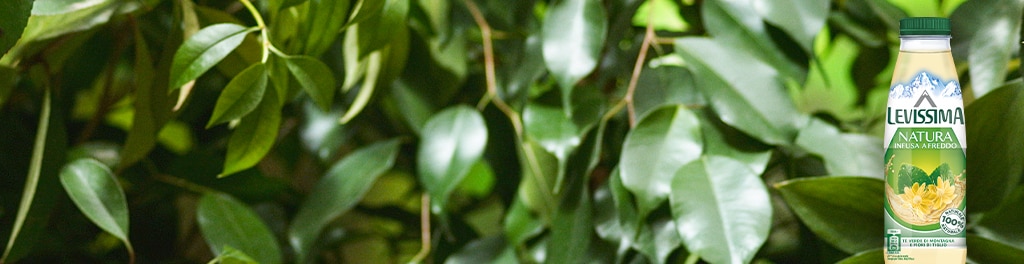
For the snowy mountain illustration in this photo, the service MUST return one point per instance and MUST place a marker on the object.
(924, 82)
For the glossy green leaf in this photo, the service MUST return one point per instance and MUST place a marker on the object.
(553, 131)
(97, 193)
(13, 19)
(39, 195)
(872, 256)
(984, 250)
(843, 153)
(745, 92)
(314, 77)
(254, 136)
(364, 9)
(993, 146)
(204, 50)
(341, 189)
(849, 219)
(572, 223)
(226, 222)
(662, 142)
(665, 85)
(520, 224)
(980, 35)
(374, 67)
(452, 141)
(802, 19)
(1003, 224)
(573, 35)
(736, 25)
(723, 140)
(376, 31)
(42, 27)
(241, 96)
(53, 7)
(721, 209)
(231, 255)
(324, 20)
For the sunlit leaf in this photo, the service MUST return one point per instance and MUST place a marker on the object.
(204, 50)
(241, 96)
(843, 153)
(573, 35)
(226, 222)
(721, 209)
(96, 192)
(849, 219)
(802, 19)
(340, 190)
(996, 123)
(737, 25)
(980, 35)
(663, 14)
(314, 77)
(254, 136)
(662, 142)
(42, 27)
(231, 255)
(453, 140)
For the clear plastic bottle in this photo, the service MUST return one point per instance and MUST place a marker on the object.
(925, 150)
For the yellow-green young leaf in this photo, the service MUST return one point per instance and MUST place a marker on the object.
(864, 257)
(324, 20)
(573, 35)
(96, 192)
(13, 19)
(984, 250)
(242, 95)
(341, 188)
(41, 187)
(254, 136)
(314, 77)
(204, 50)
(721, 209)
(662, 142)
(849, 219)
(227, 223)
(453, 140)
(993, 146)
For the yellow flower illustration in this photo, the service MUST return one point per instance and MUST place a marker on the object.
(919, 198)
(944, 193)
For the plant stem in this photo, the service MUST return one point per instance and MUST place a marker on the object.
(263, 28)
(649, 36)
(424, 230)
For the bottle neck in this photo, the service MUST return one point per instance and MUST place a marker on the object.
(924, 43)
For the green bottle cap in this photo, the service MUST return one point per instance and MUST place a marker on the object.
(924, 26)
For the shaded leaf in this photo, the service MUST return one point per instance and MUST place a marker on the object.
(314, 77)
(662, 142)
(849, 219)
(802, 19)
(152, 105)
(452, 141)
(573, 35)
(377, 31)
(364, 9)
(520, 224)
(1003, 223)
(254, 136)
(980, 36)
(228, 223)
(721, 209)
(204, 50)
(843, 153)
(13, 19)
(993, 140)
(241, 96)
(39, 195)
(492, 249)
(95, 191)
(342, 187)
(324, 20)
(864, 257)
(984, 250)
(746, 93)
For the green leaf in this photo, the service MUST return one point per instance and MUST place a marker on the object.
(553, 131)
(721, 209)
(363, 10)
(572, 227)
(520, 224)
(984, 250)
(152, 104)
(241, 96)
(96, 192)
(980, 35)
(324, 20)
(745, 92)
(802, 19)
(662, 142)
(663, 14)
(723, 140)
(204, 50)
(993, 140)
(573, 35)
(864, 257)
(42, 27)
(665, 85)
(254, 136)
(377, 30)
(374, 67)
(849, 219)
(39, 195)
(13, 19)
(226, 222)
(342, 188)
(452, 141)
(282, 4)
(1003, 223)
(830, 87)
(8, 79)
(231, 255)
(54, 7)
(492, 249)
(910, 174)
(737, 26)
(314, 76)
(843, 153)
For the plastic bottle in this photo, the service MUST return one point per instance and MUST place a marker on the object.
(925, 150)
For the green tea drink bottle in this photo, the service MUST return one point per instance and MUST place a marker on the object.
(925, 151)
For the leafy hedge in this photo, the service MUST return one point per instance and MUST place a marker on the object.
(476, 131)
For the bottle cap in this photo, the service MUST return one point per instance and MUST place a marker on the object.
(924, 26)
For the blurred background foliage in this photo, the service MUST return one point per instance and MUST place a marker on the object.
(479, 131)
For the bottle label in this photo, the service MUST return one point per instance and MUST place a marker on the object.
(925, 166)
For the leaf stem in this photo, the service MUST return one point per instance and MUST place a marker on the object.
(263, 29)
(424, 230)
(649, 36)
(175, 181)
